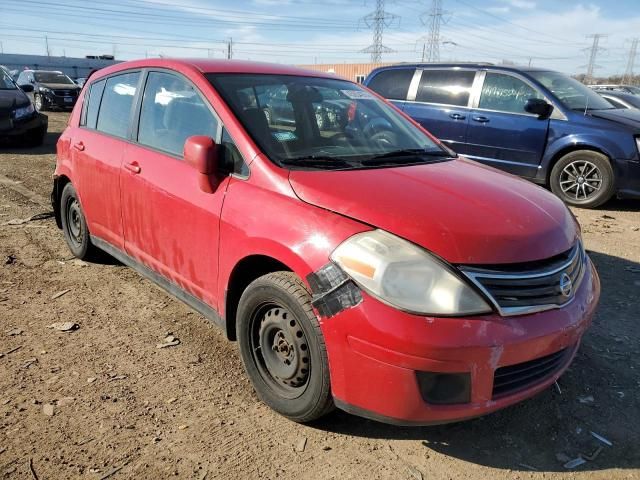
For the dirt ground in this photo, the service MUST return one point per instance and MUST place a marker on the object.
(103, 402)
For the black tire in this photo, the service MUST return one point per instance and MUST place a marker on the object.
(74, 225)
(39, 103)
(583, 178)
(275, 314)
(35, 137)
(268, 114)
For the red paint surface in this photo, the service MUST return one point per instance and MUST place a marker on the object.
(151, 206)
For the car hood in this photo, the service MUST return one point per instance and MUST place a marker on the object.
(59, 86)
(10, 100)
(464, 212)
(630, 116)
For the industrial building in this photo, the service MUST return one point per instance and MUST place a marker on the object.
(73, 67)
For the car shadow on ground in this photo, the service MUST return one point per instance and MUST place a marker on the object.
(596, 394)
(14, 147)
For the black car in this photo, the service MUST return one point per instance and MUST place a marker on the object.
(50, 89)
(18, 118)
(621, 99)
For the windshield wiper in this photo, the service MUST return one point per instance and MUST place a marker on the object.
(402, 155)
(319, 161)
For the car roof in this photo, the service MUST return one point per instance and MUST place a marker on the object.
(506, 68)
(207, 65)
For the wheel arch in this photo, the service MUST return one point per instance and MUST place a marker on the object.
(244, 272)
(59, 182)
(575, 148)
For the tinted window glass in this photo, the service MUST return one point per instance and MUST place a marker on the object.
(93, 103)
(172, 111)
(505, 93)
(573, 94)
(53, 77)
(115, 108)
(393, 84)
(5, 81)
(449, 87)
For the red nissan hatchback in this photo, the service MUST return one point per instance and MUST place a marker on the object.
(357, 261)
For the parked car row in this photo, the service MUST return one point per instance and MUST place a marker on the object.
(358, 261)
(19, 120)
(538, 124)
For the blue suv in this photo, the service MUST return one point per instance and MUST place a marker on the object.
(539, 124)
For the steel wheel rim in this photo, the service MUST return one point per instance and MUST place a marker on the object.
(267, 114)
(38, 102)
(280, 350)
(581, 180)
(74, 222)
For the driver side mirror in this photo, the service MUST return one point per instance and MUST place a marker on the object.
(539, 107)
(26, 88)
(201, 154)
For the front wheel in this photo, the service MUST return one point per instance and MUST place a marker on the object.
(583, 178)
(39, 103)
(282, 347)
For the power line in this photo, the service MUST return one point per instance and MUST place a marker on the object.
(432, 19)
(593, 53)
(376, 21)
(628, 73)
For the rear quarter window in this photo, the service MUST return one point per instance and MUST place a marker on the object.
(114, 116)
(392, 84)
(94, 95)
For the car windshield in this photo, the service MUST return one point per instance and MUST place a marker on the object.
(573, 94)
(5, 81)
(52, 77)
(323, 123)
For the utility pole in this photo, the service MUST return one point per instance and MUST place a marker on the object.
(46, 42)
(432, 19)
(230, 49)
(628, 73)
(593, 53)
(377, 21)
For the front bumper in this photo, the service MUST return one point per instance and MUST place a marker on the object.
(59, 101)
(17, 128)
(375, 352)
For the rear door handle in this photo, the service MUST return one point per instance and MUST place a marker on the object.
(79, 146)
(133, 167)
(480, 119)
(457, 116)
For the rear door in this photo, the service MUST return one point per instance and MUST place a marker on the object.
(501, 133)
(393, 84)
(170, 224)
(440, 103)
(97, 147)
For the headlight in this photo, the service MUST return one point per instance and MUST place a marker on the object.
(406, 276)
(24, 111)
(45, 90)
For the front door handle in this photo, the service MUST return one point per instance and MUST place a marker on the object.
(457, 116)
(480, 119)
(133, 167)
(79, 146)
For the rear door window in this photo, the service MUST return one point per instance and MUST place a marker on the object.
(114, 116)
(93, 104)
(173, 111)
(392, 84)
(505, 93)
(447, 87)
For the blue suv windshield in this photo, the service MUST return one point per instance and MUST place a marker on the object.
(573, 94)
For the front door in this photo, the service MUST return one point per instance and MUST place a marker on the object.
(170, 225)
(500, 132)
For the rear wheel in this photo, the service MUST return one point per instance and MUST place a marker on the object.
(583, 178)
(282, 348)
(74, 225)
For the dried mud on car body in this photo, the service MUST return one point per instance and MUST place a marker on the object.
(121, 405)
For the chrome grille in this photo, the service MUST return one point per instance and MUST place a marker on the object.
(65, 93)
(531, 287)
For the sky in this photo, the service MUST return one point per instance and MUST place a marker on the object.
(544, 33)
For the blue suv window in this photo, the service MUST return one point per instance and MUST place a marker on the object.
(392, 84)
(448, 87)
(505, 93)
